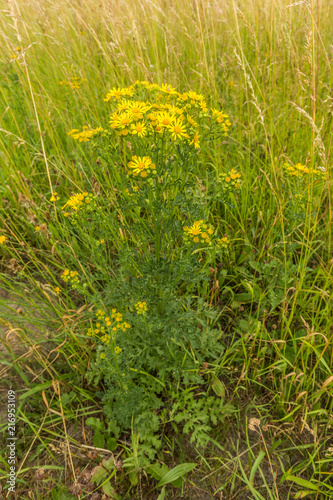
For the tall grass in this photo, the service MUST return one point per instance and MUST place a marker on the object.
(268, 64)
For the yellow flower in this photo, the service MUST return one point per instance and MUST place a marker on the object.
(85, 135)
(117, 93)
(165, 87)
(192, 122)
(165, 119)
(123, 120)
(103, 355)
(195, 229)
(139, 128)
(54, 197)
(37, 228)
(141, 166)
(137, 109)
(177, 130)
(57, 290)
(141, 308)
(195, 97)
(117, 350)
(2, 239)
(223, 242)
(195, 141)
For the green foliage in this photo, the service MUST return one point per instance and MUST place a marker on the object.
(198, 414)
(102, 436)
(268, 300)
(147, 332)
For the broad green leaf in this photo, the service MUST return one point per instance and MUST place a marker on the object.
(95, 423)
(218, 387)
(99, 474)
(157, 470)
(109, 490)
(103, 471)
(175, 473)
(111, 444)
(113, 427)
(243, 297)
(99, 440)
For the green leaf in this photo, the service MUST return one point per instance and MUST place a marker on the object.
(99, 474)
(157, 470)
(243, 297)
(304, 493)
(99, 440)
(111, 444)
(133, 477)
(175, 473)
(109, 490)
(302, 482)
(37, 388)
(102, 471)
(161, 496)
(218, 387)
(95, 423)
(256, 464)
(113, 427)
(61, 495)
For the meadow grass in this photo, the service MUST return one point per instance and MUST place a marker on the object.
(268, 66)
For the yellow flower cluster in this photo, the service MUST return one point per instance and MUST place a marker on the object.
(54, 197)
(300, 170)
(222, 119)
(85, 135)
(223, 242)
(164, 111)
(75, 84)
(117, 350)
(70, 276)
(108, 325)
(231, 180)
(2, 239)
(199, 232)
(141, 307)
(78, 201)
(141, 166)
(135, 189)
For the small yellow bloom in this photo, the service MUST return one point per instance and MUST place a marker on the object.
(117, 350)
(139, 128)
(54, 197)
(2, 239)
(195, 141)
(103, 355)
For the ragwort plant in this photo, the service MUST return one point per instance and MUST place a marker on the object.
(152, 241)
